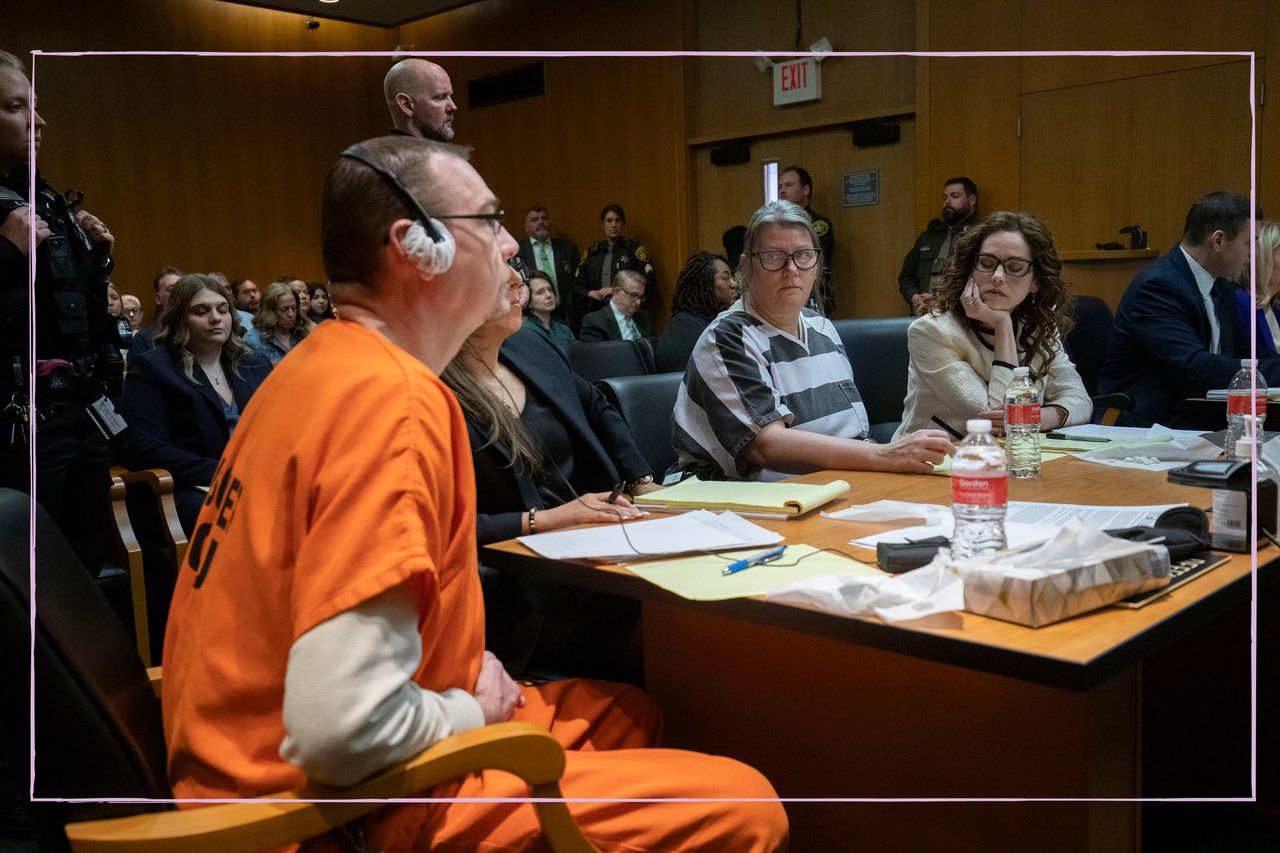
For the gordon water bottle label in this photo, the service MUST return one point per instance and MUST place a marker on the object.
(978, 489)
(1238, 404)
(1022, 413)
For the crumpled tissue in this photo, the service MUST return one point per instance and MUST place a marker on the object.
(1162, 450)
(928, 590)
(1078, 570)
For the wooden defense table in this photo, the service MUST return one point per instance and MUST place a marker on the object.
(1111, 704)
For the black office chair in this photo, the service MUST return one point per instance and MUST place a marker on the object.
(646, 404)
(1087, 344)
(595, 360)
(877, 349)
(98, 729)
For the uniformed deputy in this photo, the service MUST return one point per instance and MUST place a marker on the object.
(76, 346)
(796, 186)
(600, 261)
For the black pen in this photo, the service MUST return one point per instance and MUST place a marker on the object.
(1062, 437)
(617, 490)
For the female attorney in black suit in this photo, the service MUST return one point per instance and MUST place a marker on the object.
(183, 399)
(541, 434)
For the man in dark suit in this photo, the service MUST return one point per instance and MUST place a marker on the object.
(1176, 333)
(556, 257)
(622, 319)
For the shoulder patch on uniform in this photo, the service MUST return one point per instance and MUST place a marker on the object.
(821, 226)
(641, 253)
(584, 255)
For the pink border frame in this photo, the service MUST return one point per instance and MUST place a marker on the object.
(1253, 348)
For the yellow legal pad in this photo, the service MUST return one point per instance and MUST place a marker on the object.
(700, 578)
(781, 499)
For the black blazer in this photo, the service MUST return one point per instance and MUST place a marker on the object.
(601, 325)
(1159, 353)
(604, 453)
(176, 424)
(564, 257)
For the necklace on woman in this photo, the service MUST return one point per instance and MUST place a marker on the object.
(510, 406)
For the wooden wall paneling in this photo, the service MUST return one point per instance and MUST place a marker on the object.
(1076, 162)
(729, 97)
(1179, 154)
(1136, 25)
(1269, 117)
(974, 103)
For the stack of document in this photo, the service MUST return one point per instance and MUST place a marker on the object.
(785, 500)
(693, 531)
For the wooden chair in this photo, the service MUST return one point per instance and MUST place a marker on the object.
(98, 732)
(124, 543)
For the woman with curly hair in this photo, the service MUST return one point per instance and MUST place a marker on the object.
(1001, 304)
(183, 399)
(278, 326)
(703, 290)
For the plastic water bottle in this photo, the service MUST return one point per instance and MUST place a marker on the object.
(1022, 425)
(1240, 421)
(979, 493)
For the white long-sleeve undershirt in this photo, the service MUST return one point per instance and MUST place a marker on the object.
(351, 707)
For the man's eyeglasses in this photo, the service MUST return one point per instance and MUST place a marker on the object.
(132, 311)
(1013, 267)
(638, 297)
(494, 219)
(804, 259)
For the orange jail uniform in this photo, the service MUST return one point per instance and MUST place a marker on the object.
(333, 492)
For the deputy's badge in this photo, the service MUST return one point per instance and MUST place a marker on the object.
(583, 259)
(623, 260)
(821, 226)
(641, 254)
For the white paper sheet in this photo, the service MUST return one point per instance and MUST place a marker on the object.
(1118, 433)
(887, 510)
(1161, 451)
(678, 534)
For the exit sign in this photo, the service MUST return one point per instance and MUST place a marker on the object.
(796, 81)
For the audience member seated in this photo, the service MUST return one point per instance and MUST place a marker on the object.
(183, 399)
(541, 311)
(163, 282)
(303, 295)
(276, 328)
(114, 306)
(769, 391)
(1001, 305)
(321, 305)
(1263, 312)
(703, 290)
(548, 451)
(593, 281)
(246, 295)
(132, 308)
(622, 318)
(1177, 333)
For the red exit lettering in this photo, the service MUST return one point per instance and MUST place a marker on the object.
(795, 76)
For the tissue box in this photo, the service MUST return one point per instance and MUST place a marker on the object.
(1016, 589)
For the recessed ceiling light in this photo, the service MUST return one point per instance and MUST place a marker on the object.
(328, 1)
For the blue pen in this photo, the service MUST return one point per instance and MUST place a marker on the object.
(763, 557)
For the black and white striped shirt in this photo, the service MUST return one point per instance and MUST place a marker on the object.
(745, 374)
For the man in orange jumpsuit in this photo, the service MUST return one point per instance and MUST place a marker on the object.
(330, 620)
